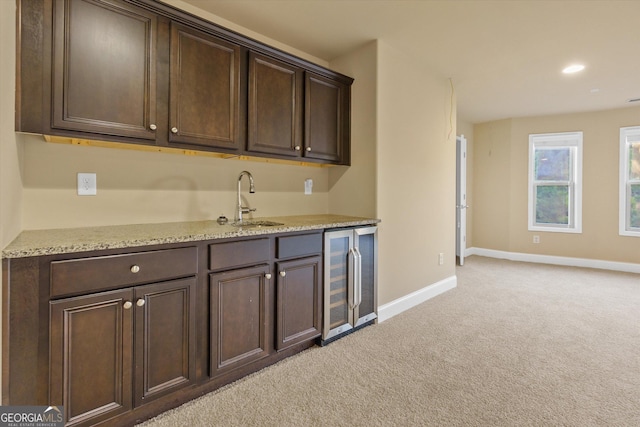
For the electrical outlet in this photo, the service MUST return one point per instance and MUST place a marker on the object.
(308, 186)
(440, 258)
(87, 185)
(536, 239)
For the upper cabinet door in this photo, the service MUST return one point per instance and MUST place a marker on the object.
(204, 99)
(275, 107)
(104, 72)
(327, 111)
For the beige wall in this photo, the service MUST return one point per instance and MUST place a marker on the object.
(10, 151)
(416, 175)
(136, 187)
(491, 184)
(501, 162)
(352, 190)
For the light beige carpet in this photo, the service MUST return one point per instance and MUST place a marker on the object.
(514, 344)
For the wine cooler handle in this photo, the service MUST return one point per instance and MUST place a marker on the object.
(358, 275)
(351, 285)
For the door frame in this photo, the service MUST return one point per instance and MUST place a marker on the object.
(461, 198)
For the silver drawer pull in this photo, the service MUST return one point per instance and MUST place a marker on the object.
(267, 276)
(140, 302)
(283, 273)
(135, 268)
(127, 305)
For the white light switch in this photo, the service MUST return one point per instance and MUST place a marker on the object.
(308, 186)
(87, 185)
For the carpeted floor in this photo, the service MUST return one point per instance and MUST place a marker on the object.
(515, 344)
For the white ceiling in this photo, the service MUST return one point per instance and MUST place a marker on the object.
(504, 56)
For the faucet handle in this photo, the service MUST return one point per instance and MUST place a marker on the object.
(247, 210)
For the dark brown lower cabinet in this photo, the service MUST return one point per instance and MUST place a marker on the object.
(165, 351)
(117, 337)
(105, 347)
(299, 301)
(91, 356)
(240, 317)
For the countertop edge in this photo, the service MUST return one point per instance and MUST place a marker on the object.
(20, 249)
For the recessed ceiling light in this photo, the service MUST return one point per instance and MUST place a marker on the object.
(573, 69)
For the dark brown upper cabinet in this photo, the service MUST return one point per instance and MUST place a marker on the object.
(327, 117)
(275, 107)
(204, 94)
(104, 68)
(143, 72)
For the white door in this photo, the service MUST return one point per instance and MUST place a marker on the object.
(461, 197)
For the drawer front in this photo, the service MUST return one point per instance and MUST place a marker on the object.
(300, 245)
(79, 276)
(239, 254)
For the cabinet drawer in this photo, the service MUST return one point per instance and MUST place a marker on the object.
(238, 254)
(78, 276)
(300, 245)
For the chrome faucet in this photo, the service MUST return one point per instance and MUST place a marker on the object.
(243, 209)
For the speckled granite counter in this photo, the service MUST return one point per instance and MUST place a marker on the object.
(69, 240)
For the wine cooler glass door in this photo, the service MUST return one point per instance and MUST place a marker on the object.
(366, 247)
(338, 298)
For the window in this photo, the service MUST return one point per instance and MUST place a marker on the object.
(630, 181)
(555, 182)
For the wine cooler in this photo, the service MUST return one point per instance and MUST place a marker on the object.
(350, 280)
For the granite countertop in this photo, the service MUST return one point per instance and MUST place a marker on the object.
(69, 240)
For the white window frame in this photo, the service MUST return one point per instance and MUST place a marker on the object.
(572, 140)
(626, 133)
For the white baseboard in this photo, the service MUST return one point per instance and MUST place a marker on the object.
(406, 302)
(556, 260)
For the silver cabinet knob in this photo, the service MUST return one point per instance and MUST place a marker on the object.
(308, 148)
(297, 148)
(267, 276)
(174, 130)
(135, 268)
(153, 127)
(283, 273)
(140, 302)
(127, 305)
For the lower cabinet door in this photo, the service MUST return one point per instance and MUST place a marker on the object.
(240, 327)
(91, 345)
(299, 303)
(165, 352)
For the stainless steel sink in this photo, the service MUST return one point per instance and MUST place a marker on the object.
(255, 224)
